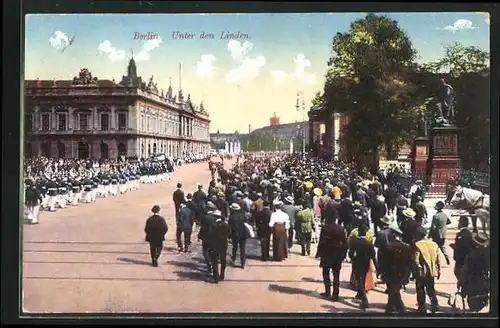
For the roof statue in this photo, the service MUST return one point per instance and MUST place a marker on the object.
(202, 108)
(84, 78)
(152, 87)
(38, 83)
(162, 94)
(54, 83)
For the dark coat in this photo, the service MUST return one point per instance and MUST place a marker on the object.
(236, 222)
(383, 238)
(391, 194)
(185, 219)
(397, 263)
(218, 237)
(378, 210)
(463, 246)
(346, 211)
(332, 210)
(438, 226)
(332, 246)
(223, 207)
(361, 252)
(178, 197)
(199, 196)
(409, 227)
(262, 219)
(155, 229)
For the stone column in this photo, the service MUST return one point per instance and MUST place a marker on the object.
(112, 118)
(53, 121)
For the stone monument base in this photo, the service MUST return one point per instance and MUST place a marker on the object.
(444, 161)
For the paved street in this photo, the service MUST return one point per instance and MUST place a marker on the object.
(93, 258)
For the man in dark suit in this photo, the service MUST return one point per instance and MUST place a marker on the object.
(346, 214)
(239, 232)
(155, 229)
(408, 225)
(438, 229)
(396, 265)
(262, 219)
(377, 212)
(391, 195)
(361, 252)
(332, 250)
(185, 221)
(178, 198)
(463, 244)
(217, 240)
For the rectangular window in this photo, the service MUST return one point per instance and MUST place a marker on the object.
(147, 124)
(105, 122)
(61, 122)
(45, 122)
(84, 121)
(122, 121)
(29, 122)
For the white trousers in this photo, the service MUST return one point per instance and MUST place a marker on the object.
(52, 202)
(122, 188)
(142, 179)
(76, 198)
(61, 201)
(113, 189)
(34, 213)
(45, 201)
(87, 196)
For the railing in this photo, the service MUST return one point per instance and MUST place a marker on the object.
(436, 187)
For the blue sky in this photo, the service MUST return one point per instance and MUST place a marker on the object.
(251, 81)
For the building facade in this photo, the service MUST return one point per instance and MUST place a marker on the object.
(91, 118)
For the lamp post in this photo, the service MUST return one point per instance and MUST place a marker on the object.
(297, 106)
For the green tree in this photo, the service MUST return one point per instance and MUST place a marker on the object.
(369, 78)
(469, 75)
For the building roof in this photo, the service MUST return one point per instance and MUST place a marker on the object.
(67, 84)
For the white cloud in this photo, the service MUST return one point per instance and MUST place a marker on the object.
(114, 54)
(301, 63)
(238, 50)
(460, 25)
(247, 71)
(278, 76)
(310, 79)
(59, 41)
(205, 67)
(147, 47)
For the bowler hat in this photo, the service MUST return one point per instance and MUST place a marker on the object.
(155, 209)
(420, 232)
(439, 205)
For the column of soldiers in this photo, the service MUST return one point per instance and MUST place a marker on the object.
(368, 220)
(52, 185)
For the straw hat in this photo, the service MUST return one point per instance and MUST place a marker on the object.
(289, 199)
(308, 184)
(318, 192)
(409, 213)
(235, 206)
(356, 204)
(395, 229)
(387, 220)
(277, 203)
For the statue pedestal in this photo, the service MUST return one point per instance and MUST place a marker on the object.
(444, 161)
(420, 158)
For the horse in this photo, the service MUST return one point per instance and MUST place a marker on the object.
(476, 203)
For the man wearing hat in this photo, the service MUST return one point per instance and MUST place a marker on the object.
(416, 191)
(222, 204)
(420, 211)
(217, 238)
(361, 252)
(438, 229)
(474, 278)
(292, 211)
(305, 227)
(280, 223)
(332, 250)
(463, 244)
(155, 229)
(408, 225)
(427, 268)
(395, 265)
(178, 198)
(185, 221)
(239, 232)
(377, 212)
(262, 219)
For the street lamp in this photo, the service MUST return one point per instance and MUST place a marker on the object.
(299, 93)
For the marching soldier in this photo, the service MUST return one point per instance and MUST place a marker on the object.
(52, 189)
(33, 198)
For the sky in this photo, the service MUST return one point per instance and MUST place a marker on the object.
(242, 82)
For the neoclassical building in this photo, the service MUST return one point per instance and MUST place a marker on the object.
(92, 118)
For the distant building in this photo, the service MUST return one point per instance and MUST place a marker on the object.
(218, 140)
(274, 120)
(284, 131)
(90, 118)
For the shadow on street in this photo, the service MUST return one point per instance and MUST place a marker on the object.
(134, 261)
